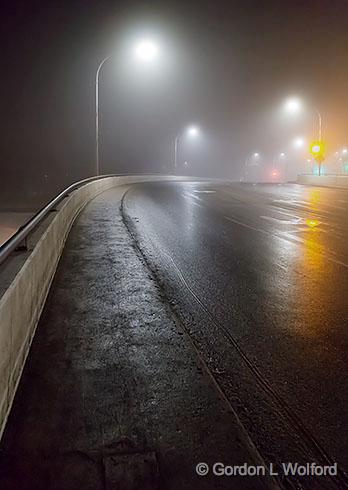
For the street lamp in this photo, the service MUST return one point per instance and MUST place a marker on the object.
(276, 163)
(145, 50)
(293, 105)
(277, 157)
(252, 156)
(192, 131)
(299, 142)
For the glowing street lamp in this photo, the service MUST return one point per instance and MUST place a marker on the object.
(146, 51)
(251, 160)
(276, 163)
(277, 157)
(299, 142)
(253, 156)
(192, 132)
(293, 105)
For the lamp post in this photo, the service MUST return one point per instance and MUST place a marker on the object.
(255, 156)
(97, 167)
(145, 50)
(276, 161)
(293, 105)
(319, 124)
(191, 131)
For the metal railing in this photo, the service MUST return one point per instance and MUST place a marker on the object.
(18, 241)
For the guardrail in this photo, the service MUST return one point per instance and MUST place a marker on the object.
(25, 284)
(24, 231)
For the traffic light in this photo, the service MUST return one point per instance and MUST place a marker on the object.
(317, 150)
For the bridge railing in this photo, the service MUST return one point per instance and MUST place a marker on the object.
(19, 239)
(26, 276)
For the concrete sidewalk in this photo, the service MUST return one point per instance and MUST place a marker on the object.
(113, 395)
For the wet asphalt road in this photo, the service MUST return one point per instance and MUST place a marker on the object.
(113, 394)
(259, 276)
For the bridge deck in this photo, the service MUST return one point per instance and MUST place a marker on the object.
(112, 386)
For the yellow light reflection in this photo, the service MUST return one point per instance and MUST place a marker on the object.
(315, 196)
(314, 283)
(312, 223)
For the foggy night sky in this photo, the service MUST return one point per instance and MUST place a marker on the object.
(227, 66)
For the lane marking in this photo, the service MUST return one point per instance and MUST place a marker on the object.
(287, 237)
(307, 204)
(283, 221)
(205, 192)
(193, 196)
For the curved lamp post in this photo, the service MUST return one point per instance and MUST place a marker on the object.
(293, 105)
(145, 50)
(97, 167)
(255, 156)
(192, 131)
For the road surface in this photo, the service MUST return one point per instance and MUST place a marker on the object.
(258, 274)
(113, 394)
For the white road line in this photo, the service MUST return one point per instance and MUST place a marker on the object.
(283, 212)
(287, 237)
(189, 194)
(283, 221)
(205, 192)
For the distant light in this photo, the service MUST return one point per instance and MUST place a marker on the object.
(256, 155)
(344, 151)
(193, 131)
(146, 50)
(274, 173)
(299, 142)
(293, 105)
(316, 149)
(282, 155)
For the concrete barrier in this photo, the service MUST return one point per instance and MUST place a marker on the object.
(324, 180)
(23, 297)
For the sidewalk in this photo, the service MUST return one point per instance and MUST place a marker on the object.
(113, 395)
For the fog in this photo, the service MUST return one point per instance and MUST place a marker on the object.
(226, 67)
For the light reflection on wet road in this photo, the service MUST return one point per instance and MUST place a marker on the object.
(270, 262)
